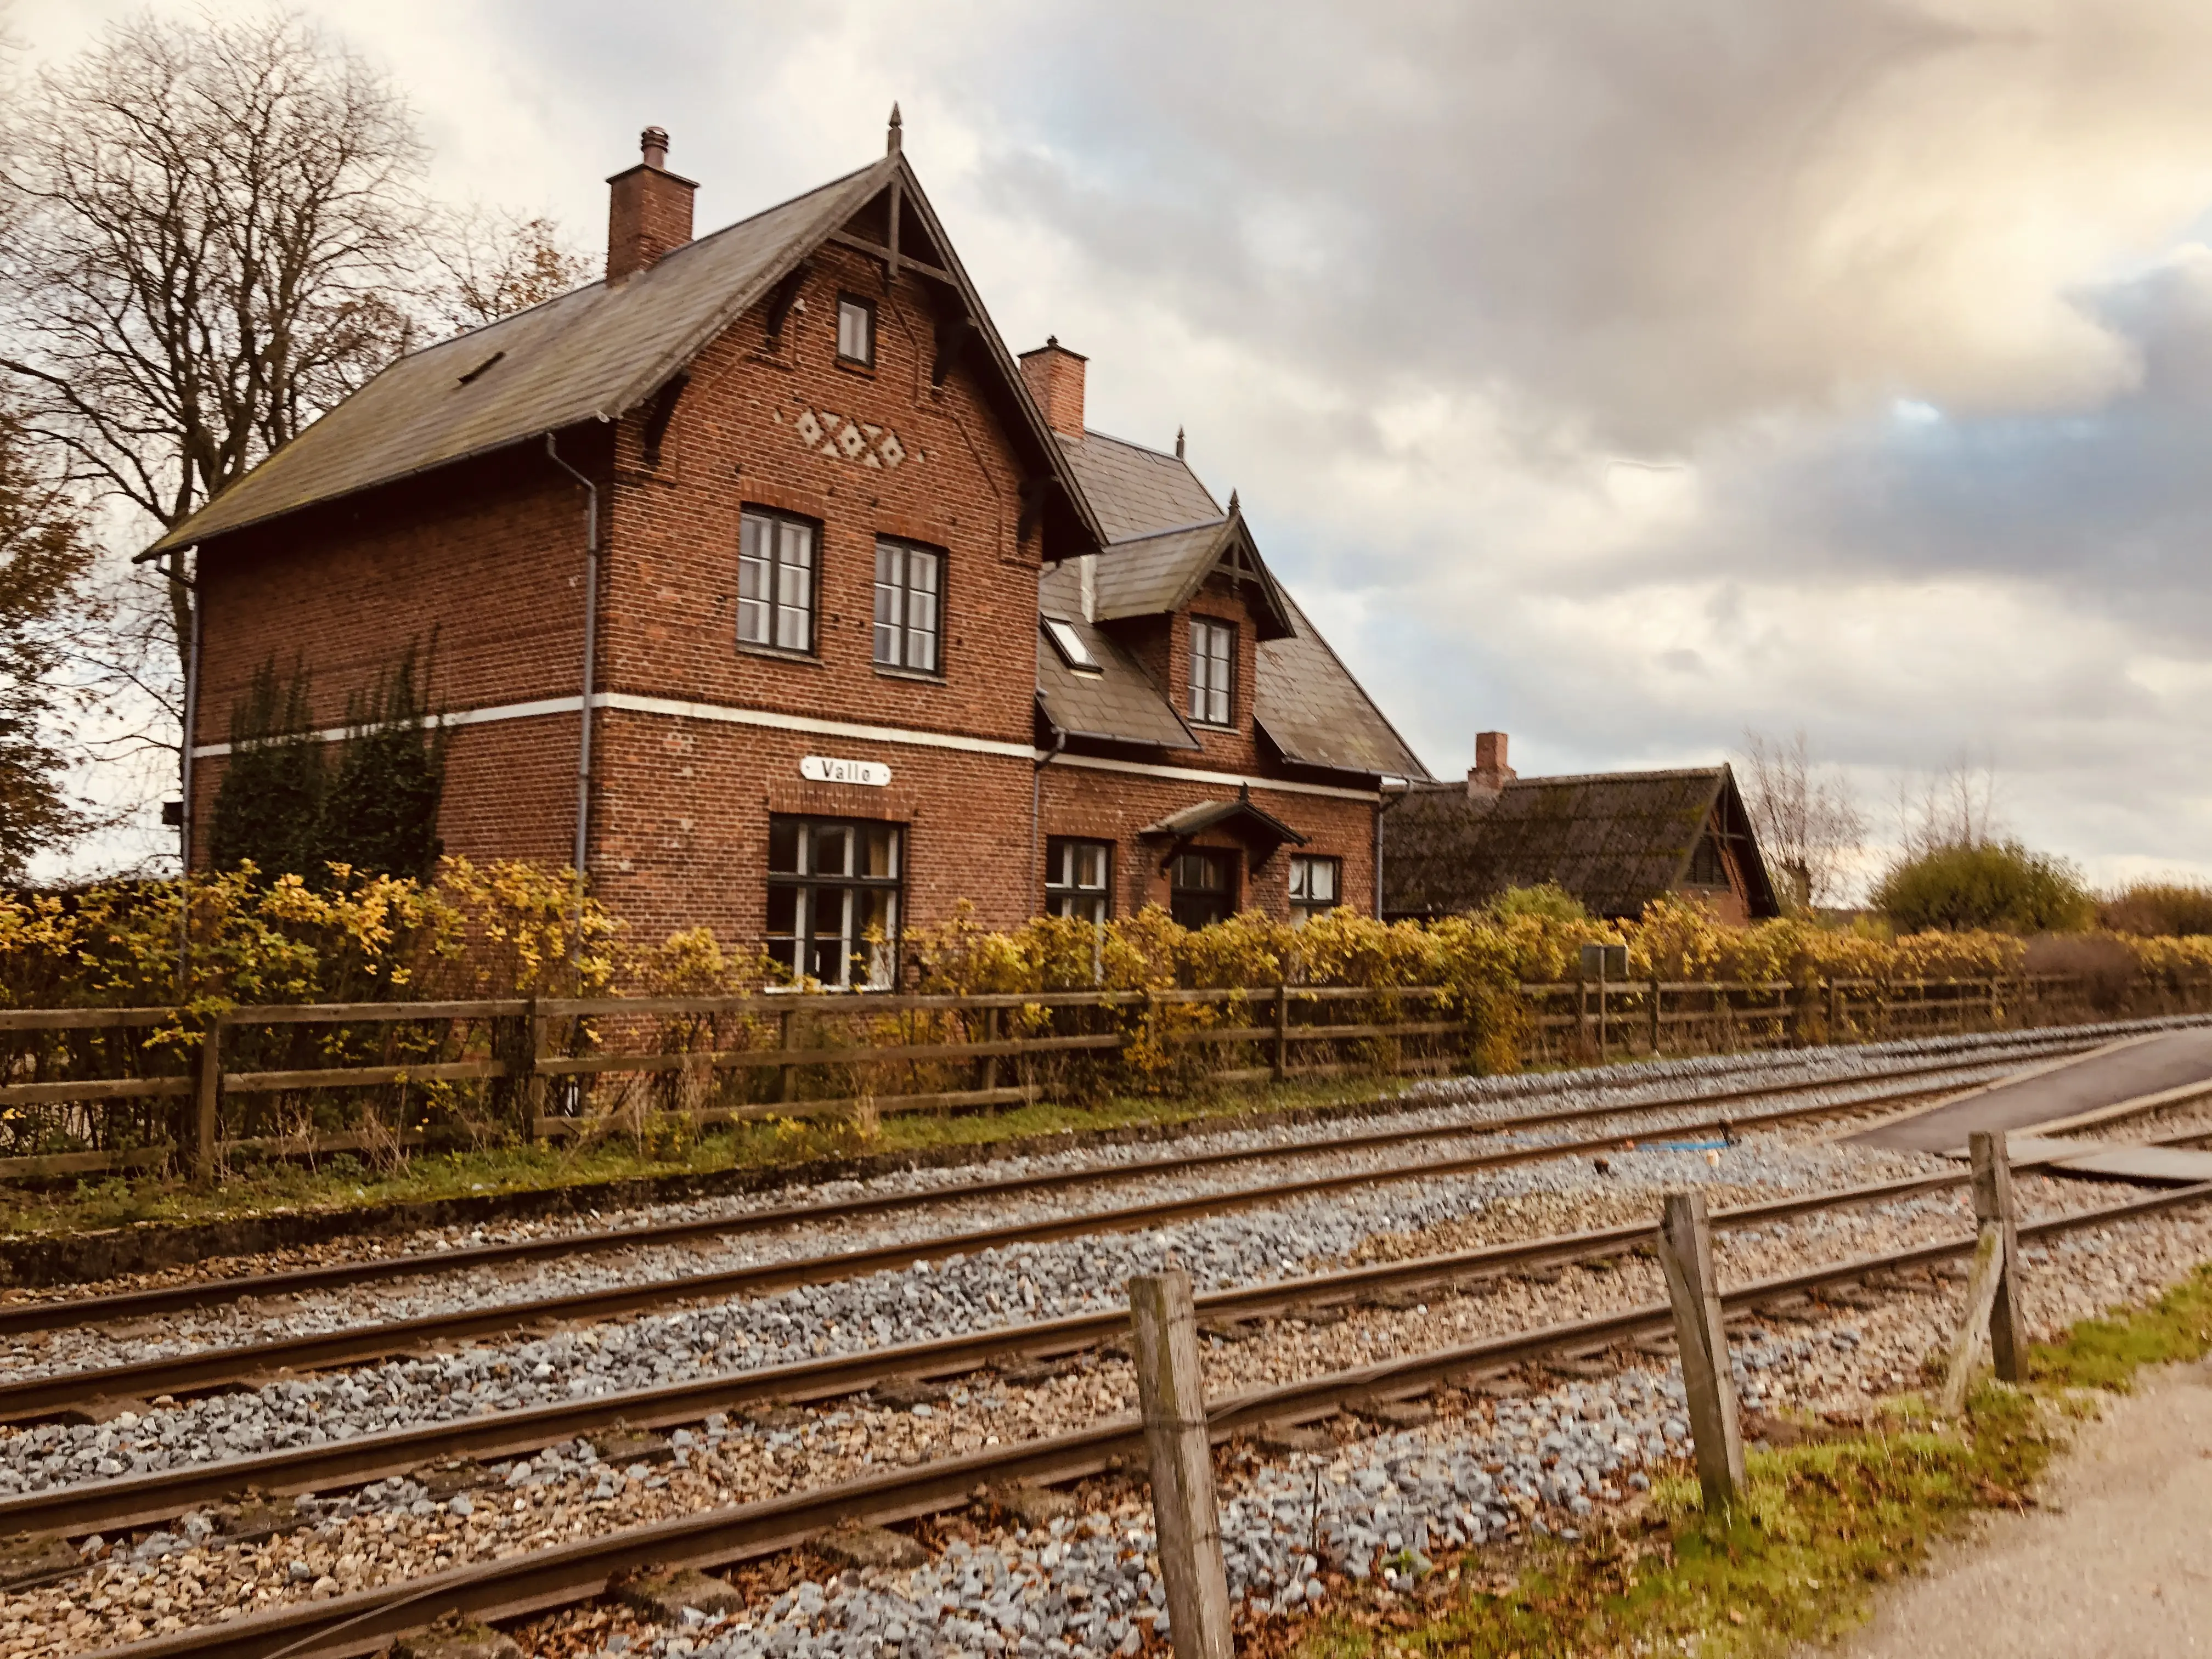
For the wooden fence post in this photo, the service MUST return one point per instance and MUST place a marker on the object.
(1993, 1204)
(1173, 1400)
(787, 1086)
(207, 1101)
(1282, 1030)
(990, 1029)
(1685, 1257)
(1655, 1024)
(530, 1093)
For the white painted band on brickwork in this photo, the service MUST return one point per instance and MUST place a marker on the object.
(505, 711)
(773, 720)
(629, 702)
(1192, 775)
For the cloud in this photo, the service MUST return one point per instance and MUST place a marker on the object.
(1622, 375)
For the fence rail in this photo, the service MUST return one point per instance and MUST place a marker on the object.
(88, 1090)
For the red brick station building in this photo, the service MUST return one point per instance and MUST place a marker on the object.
(768, 585)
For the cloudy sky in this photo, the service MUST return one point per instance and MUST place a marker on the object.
(1620, 375)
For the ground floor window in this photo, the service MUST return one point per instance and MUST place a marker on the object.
(1078, 878)
(1316, 886)
(833, 898)
(1202, 887)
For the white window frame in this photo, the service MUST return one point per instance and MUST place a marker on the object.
(909, 630)
(1212, 671)
(1068, 889)
(779, 560)
(854, 306)
(1305, 904)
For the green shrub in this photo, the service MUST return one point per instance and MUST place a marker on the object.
(1546, 902)
(2159, 909)
(1997, 885)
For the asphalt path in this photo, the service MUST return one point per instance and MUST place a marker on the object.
(2102, 1078)
(2110, 1565)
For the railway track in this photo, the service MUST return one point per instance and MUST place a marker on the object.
(363, 1622)
(136, 1501)
(209, 1370)
(57, 1313)
(139, 1500)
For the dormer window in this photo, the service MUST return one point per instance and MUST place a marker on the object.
(856, 330)
(1212, 671)
(1070, 645)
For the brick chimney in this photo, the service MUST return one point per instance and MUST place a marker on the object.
(649, 210)
(1490, 774)
(1055, 379)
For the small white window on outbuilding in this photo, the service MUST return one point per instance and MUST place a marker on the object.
(1069, 643)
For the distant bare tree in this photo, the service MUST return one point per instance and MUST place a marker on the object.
(495, 263)
(216, 230)
(1809, 827)
(1955, 806)
(219, 231)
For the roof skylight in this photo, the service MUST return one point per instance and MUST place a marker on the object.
(1069, 643)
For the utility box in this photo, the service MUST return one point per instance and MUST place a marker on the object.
(1605, 961)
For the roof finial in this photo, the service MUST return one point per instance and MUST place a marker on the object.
(891, 138)
(1178, 443)
(1232, 501)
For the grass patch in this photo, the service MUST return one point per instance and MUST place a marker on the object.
(2106, 1353)
(347, 1181)
(1821, 1525)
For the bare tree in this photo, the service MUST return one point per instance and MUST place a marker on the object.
(214, 232)
(495, 264)
(1809, 826)
(219, 235)
(1955, 806)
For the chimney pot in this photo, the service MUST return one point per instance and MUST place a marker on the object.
(649, 210)
(1490, 774)
(1055, 377)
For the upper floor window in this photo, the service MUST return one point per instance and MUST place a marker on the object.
(1212, 671)
(1316, 884)
(1707, 867)
(1078, 879)
(775, 581)
(909, 586)
(856, 330)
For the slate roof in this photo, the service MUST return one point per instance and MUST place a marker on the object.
(592, 354)
(1166, 533)
(1118, 704)
(1135, 490)
(1616, 841)
(1316, 715)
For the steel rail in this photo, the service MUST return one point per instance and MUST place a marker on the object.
(216, 1368)
(61, 1313)
(137, 1500)
(365, 1621)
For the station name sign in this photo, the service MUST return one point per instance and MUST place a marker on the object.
(826, 769)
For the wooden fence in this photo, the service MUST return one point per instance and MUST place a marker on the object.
(94, 1090)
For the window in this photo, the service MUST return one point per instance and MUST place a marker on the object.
(832, 899)
(1201, 888)
(1706, 866)
(856, 330)
(1069, 643)
(1078, 879)
(1212, 671)
(908, 582)
(775, 581)
(1315, 887)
